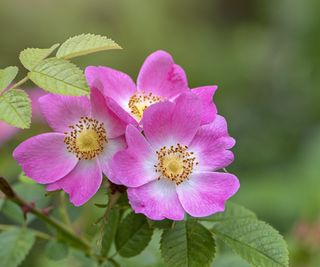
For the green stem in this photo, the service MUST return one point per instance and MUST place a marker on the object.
(25, 79)
(63, 210)
(39, 234)
(113, 198)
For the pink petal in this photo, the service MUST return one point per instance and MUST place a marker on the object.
(121, 113)
(113, 124)
(157, 124)
(161, 76)
(135, 166)
(112, 83)
(166, 123)
(44, 157)
(105, 158)
(211, 144)
(206, 193)
(186, 117)
(63, 111)
(82, 183)
(157, 200)
(209, 110)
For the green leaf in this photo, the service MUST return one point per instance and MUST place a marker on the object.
(110, 230)
(59, 76)
(15, 245)
(85, 44)
(56, 250)
(255, 241)
(6, 76)
(101, 206)
(25, 179)
(187, 244)
(232, 211)
(31, 57)
(15, 108)
(163, 224)
(230, 260)
(110, 263)
(133, 235)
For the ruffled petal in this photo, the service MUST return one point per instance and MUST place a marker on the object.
(206, 193)
(113, 124)
(63, 111)
(135, 166)
(211, 144)
(157, 200)
(105, 158)
(112, 83)
(44, 157)
(161, 76)
(209, 109)
(82, 183)
(167, 124)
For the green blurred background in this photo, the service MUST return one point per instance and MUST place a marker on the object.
(265, 57)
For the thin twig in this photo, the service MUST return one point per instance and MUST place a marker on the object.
(22, 81)
(63, 210)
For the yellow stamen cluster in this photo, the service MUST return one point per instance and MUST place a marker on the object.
(140, 101)
(175, 163)
(86, 138)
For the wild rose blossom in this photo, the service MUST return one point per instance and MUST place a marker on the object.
(87, 135)
(172, 168)
(159, 79)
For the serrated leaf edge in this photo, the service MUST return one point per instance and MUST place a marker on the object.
(87, 51)
(27, 125)
(217, 233)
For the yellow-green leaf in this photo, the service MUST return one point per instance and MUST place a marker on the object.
(15, 108)
(6, 76)
(85, 44)
(31, 57)
(59, 76)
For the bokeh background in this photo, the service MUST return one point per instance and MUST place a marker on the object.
(265, 57)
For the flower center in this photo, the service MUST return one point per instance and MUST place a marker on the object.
(175, 163)
(86, 138)
(139, 101)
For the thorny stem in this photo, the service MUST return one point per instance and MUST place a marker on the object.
(80, 243)
(27, 207)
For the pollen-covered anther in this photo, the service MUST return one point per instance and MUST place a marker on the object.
(86, 138)
(139, 101)
(175, 163)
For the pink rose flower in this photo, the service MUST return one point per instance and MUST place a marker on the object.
(73, 158)
(159, 79)
(172, 168)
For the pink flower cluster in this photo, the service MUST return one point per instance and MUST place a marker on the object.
(157, 137)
